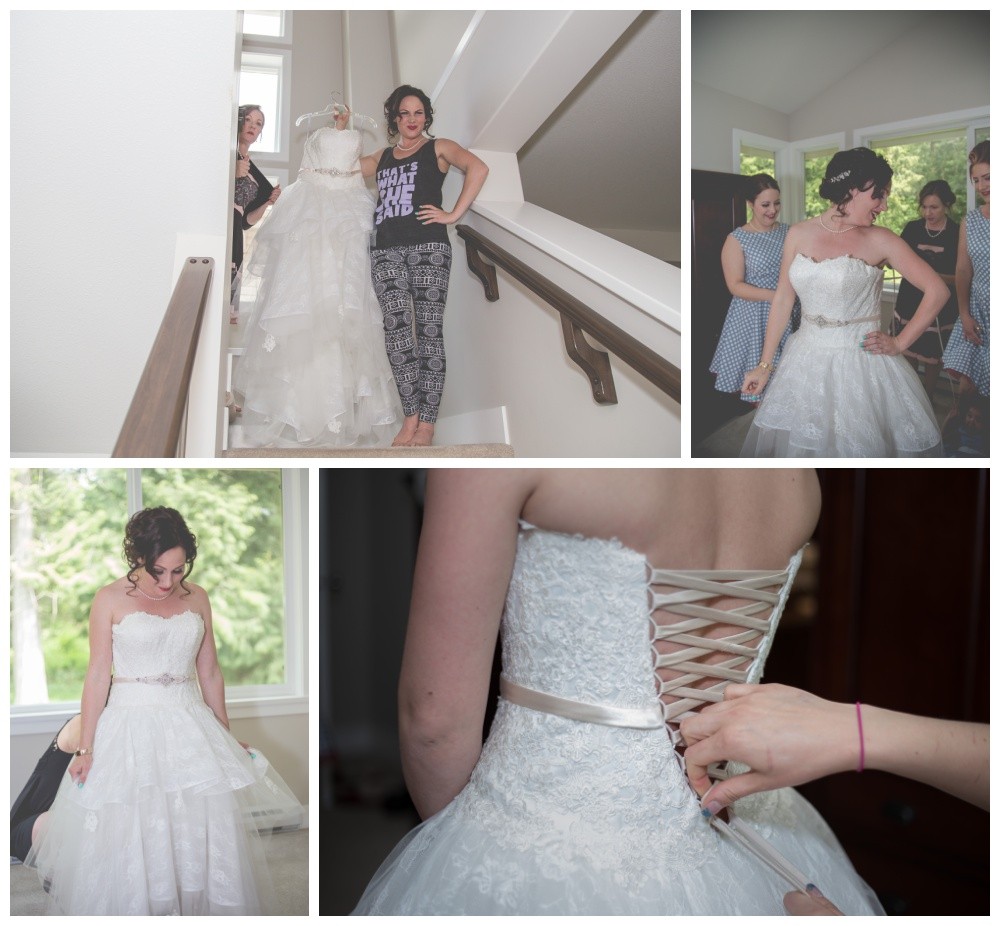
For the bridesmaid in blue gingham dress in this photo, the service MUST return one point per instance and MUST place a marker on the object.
(751, 261)
(968, 350)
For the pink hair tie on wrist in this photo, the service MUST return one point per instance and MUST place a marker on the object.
(861, 739)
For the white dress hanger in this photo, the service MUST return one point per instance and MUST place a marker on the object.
(334, 109)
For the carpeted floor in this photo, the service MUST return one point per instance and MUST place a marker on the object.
(287, 855)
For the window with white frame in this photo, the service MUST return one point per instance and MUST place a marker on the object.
(263, 82)
(67, 526)
(269, 24)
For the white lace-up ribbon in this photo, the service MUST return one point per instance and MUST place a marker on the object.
(639, 718)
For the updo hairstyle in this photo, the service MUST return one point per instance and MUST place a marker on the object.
(940, 189)
(391, 108)
(757, 184)
(979, 155)
(857, 169)
(152, 532)
(245, 111)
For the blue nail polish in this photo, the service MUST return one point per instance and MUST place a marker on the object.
(706, 813)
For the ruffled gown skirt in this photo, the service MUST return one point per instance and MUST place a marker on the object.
(564, 818)
(314, 372)
(168, 820)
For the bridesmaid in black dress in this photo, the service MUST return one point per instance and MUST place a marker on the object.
(935, 238)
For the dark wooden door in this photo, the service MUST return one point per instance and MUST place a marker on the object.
(900, 621)
(718, 205)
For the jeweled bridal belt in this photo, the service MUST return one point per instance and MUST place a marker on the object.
(163, 680)
(330, 171)
(650, 718)
(822, 321)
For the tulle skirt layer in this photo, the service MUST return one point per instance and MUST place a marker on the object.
(454, 865)
(833, 399)
(314, 370)
(168, 820)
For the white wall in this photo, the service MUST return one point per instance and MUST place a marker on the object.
(715, 114)
(929, 70)
(942, 65)
(423, 43)
(122, 127)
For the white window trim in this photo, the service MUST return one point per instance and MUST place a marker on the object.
(287, 699)
(741, 137)
(795, 198)
(284, 39)
(284, 117)
(968, 119)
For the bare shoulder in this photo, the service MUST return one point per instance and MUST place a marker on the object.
(196, 597)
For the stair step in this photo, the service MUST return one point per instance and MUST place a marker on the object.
(454, 450)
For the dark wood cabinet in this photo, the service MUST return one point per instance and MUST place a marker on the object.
(901, 622)
(718, 205)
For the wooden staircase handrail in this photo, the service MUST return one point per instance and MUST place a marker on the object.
(152, 426)
(576, 318)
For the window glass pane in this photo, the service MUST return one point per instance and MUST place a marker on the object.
(236, 516)
(813, 169)
(982, 134)
(756, 161)
(65, 543)
(263, 22)
(916, 160)
(260, 85)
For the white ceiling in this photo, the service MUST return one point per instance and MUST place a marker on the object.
(610, 156)
(731, 50)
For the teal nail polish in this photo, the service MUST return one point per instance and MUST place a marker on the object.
(706, 813)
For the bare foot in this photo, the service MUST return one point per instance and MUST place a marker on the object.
(406, 432)
(423, 436)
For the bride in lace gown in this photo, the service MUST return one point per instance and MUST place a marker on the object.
(624, 600)
(160, 811)
(843, 387)
(314, 372)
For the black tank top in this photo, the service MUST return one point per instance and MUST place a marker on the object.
(403, 187)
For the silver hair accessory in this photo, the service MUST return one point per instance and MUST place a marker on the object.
(843, 175)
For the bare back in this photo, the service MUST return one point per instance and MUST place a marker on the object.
(684, 518)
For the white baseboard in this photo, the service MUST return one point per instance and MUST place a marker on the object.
(486, 426)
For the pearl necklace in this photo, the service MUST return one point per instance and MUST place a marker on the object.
(151, 597)
(835, 231)
(934, 234)
(414, 145)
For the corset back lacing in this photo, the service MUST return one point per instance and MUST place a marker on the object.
(744, 647)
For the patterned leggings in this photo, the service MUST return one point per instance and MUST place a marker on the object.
(413, 281)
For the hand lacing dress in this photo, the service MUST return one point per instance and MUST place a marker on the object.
(167, 821)
(831, 398)
(314, 371)
(579, 803)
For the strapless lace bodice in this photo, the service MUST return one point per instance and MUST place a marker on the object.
(579, 803)
(840, 298)
(146, 645)
(578, 616)
(330, 158)
(154, 659)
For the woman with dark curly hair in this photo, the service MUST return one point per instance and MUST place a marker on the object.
(411, 257)
(934, 238)
(842, 388)
(160, 810)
